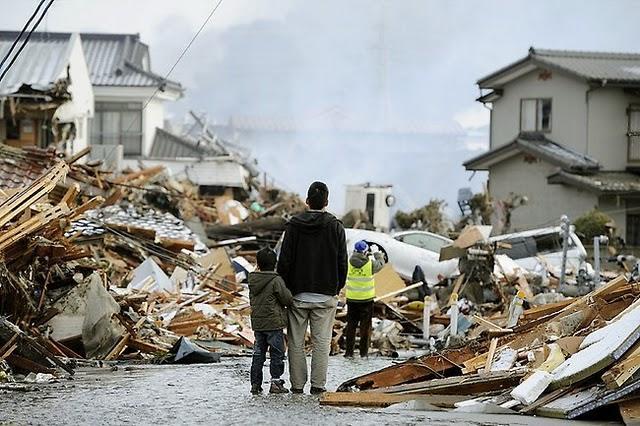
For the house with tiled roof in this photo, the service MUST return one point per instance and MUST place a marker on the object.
(121, 83)
(565, 133)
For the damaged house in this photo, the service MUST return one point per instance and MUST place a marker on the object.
(565, 133)
(99, 90)
(46, 97)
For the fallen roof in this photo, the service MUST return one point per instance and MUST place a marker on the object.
(168, 145)
(538, 145)
(112, 59)
(40, 65)
(614, 183)
(19, 168)
(615, 68)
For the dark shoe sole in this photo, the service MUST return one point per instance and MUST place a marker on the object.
(317, 391)
(297, 391)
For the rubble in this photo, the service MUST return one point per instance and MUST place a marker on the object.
(104, 266)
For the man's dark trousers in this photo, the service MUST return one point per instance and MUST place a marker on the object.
(358, 313)
(274, 342)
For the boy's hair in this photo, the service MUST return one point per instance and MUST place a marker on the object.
(267, 259)
(318, 196)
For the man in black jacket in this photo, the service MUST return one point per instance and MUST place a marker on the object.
(313, 264)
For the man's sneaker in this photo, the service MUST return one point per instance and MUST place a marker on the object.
(256, 389)
(348, 355)
(317, 391)
(277, 386)
(298, 391)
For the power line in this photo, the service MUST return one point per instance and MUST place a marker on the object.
(26, 40)
(15, 42)
(184, 51)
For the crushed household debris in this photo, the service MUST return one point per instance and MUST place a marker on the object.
(502, 339)
(104, 266)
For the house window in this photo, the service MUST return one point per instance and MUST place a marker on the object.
(535, 115)
(118, 123)
(633, 133)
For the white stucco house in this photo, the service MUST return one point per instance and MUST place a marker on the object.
(46, 96)
(565, 133)
(111, 88)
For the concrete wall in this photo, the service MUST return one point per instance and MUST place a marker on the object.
(608, 125)
(568, 109)
(546, 203)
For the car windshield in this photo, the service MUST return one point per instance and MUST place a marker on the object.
(425, 241)
(523, 247)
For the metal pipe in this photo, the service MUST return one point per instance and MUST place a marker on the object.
(565, 226)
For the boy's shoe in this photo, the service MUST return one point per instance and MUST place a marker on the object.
(256, 389)
(317, 391)
(348, 354)
(277, 386)
(298, 391)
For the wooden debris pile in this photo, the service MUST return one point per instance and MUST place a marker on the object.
(563, 360)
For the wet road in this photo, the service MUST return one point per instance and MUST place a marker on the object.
(210, 394)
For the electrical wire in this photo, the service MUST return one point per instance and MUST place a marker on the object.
(26, 40)
(184, 52)
(15, 42)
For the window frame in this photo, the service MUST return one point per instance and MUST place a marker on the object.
(120, 107)
(538, 100)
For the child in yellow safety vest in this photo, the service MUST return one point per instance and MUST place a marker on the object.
(360, 292)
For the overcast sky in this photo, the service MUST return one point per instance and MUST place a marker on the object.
(379, 64)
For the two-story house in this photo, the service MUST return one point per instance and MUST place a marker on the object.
(128, 99)
(565, 133)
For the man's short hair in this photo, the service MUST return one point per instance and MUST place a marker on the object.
(318, 195)
(266, 259)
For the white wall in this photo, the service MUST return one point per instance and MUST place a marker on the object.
(80, 107)
(608, 126)
(546, 203)
(152, 117)
(568, 109)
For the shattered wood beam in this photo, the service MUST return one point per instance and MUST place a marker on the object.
(381, 400)
(79, 155)
(21, 201)
(624, 369)
(413, 370)
(32, 225)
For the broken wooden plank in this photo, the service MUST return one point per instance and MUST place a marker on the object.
(413, 370)
(118, 348)
(375, 399)
(630, 412)
(624, 369)
(492, 350)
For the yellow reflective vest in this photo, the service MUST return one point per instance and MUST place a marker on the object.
(360, 282)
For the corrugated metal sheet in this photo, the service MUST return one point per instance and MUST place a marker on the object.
(593, 65)
(40, 65)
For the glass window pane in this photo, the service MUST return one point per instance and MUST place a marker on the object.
(528, 115)
(110, 128)
(544, 114)
(95, 125)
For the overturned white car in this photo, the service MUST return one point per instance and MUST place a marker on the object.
(420, 250)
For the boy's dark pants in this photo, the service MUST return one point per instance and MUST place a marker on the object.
(358, 312)
(274, 341)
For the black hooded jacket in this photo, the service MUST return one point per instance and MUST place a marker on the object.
(313, 257)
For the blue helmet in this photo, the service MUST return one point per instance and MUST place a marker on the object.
(361, 246)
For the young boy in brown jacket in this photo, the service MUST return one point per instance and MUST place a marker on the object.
(269, 297)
